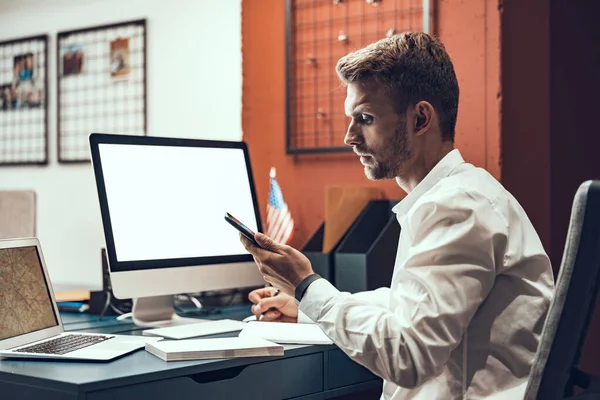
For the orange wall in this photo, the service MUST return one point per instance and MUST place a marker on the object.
(470, 31)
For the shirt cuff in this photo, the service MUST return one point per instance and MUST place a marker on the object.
(304, 284)
(303, 318)
(319, 293)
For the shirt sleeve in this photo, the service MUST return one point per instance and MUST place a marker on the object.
(379, 297)
(448, 271)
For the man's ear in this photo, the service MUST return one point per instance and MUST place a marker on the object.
(423, 117)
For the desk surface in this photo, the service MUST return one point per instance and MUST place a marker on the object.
(141, 367)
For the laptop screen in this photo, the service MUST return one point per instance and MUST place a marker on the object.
(25, 302)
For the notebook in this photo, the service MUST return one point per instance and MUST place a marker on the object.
(200, 349)
(195, 330)
(285, 333)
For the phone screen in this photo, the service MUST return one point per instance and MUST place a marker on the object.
(236, 223)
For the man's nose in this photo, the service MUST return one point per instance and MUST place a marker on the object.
(353, 136)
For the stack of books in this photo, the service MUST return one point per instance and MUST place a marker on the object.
(199, 349)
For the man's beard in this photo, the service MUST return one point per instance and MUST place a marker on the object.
(388, 163)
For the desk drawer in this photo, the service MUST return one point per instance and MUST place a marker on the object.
(342, 371)
(278, 379)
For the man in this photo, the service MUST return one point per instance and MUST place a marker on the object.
(472, 283)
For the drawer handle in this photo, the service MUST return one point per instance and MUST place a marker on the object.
(219, 375)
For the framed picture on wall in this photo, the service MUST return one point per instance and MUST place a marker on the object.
(101, 75)
(23, 101)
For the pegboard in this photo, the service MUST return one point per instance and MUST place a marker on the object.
(101, 73)
(23, 105)
(318, 34)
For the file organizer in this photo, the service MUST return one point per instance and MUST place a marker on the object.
(322, 263)
(364, 258)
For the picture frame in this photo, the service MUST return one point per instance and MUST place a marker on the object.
(101, 85)
(24, 101)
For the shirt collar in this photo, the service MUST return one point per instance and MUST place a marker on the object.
(441, 170)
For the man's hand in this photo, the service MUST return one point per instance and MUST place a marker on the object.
(282, 266)
(280, 308)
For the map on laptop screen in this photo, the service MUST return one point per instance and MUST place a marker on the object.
(25, 303)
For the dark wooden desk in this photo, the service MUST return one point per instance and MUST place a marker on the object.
(304, 372)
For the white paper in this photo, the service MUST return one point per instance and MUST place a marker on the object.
(285, 333)
(196, 330)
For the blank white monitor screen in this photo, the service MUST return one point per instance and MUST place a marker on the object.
(168, 202)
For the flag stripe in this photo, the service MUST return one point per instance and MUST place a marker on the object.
(279, 223)
(282, 226)
(276, 226)
(270, 211)
(288, 233)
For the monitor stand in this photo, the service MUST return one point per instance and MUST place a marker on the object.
(158, 312)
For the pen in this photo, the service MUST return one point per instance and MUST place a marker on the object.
(274, 294)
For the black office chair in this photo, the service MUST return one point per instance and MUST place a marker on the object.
(554, 374)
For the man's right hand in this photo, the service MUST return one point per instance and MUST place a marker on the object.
(280, 308)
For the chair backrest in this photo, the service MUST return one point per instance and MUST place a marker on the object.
(17, 214)
(570, 311)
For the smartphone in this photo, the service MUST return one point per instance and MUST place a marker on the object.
(237, 224)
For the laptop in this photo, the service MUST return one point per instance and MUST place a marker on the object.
(30, 325)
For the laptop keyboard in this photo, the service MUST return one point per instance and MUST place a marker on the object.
(64, 344)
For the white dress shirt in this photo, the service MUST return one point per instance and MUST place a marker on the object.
(469, 294)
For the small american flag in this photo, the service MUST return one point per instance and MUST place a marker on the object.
(280, 225)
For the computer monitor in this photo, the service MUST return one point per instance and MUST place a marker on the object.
(162, 202)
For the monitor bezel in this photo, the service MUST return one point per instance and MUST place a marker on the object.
(96, 139)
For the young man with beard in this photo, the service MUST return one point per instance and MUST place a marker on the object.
(471, 284)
